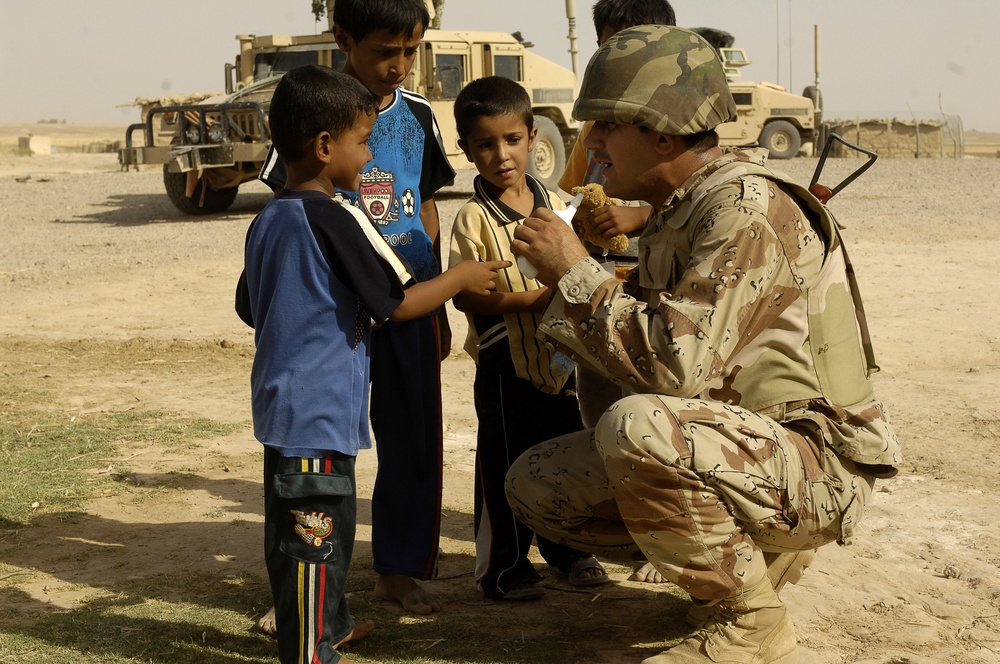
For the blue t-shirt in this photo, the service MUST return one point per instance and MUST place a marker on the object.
(311, 286)
(408, 165)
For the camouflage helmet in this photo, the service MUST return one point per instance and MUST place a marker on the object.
(667, 79)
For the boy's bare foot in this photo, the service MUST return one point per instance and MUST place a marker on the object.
(266, 624)
(362, 628)
(401, 588)
(647, 574)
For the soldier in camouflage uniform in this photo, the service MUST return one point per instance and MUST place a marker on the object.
(754, 428)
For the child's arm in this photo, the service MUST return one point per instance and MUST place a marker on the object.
(432, 226)
(503, 303)
(466, 277)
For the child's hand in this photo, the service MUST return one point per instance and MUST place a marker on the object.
(612, 220)
(479, 277)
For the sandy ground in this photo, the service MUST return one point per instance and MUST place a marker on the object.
(118, 301)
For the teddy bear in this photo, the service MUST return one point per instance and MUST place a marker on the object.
(594, 198)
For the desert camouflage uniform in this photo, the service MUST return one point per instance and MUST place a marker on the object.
(755, 424)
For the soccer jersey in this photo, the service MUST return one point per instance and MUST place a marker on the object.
(312, 284)
(409, 164)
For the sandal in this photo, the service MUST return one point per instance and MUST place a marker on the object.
(523, 592)
(580, 565)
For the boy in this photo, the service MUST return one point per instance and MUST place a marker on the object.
(595, 392)
(522, 395)
(316, 275)
(380, 39)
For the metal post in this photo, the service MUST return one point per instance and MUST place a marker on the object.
(573, 50)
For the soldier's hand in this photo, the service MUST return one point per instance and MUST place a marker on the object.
(549, 244)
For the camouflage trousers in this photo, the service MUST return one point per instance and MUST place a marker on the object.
(696, 487)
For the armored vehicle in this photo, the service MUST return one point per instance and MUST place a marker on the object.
(769, 115)
(209, 148)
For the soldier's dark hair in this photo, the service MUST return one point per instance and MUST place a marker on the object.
(702, 141)
(310, 100)
(360, 18)
(621, 14)
(489, 97)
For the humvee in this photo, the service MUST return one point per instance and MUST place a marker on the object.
(209, 148)
(768, 115)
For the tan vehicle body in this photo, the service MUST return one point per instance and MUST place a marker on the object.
(769, 115)
(209, 148)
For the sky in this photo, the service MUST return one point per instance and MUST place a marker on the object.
(79, 60)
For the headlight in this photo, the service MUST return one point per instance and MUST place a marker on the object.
(216, 133)
(193, 134)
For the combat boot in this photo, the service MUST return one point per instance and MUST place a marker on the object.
(752, 627)
(782, 568)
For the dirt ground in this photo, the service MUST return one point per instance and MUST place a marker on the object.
(116, 300)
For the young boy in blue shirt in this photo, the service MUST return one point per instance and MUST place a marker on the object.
(380, 39)
(316, 275)
(523, 394)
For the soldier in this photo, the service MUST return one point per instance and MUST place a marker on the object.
(754, 433)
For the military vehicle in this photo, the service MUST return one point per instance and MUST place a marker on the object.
(769, 115)
(209, 148)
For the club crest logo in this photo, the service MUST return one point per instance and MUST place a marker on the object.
(313, 527)
(378, 196)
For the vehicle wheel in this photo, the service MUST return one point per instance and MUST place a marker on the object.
(781, 139)
(216, 200)
(548, 159)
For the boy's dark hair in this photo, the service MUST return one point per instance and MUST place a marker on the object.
(619, 14)
(491, 96)
(312, 99)
(360, 18)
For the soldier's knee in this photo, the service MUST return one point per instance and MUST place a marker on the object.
(639, 423)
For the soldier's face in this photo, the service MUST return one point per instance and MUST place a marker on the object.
(626, 153)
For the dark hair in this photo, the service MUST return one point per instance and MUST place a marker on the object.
(621, 14)
(702, 141)
(312, 99)
(360, 18)
(491, 96)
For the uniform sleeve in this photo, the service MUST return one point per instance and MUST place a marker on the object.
(353, 260)
(680, 342)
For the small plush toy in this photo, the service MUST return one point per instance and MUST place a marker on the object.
(594, 198)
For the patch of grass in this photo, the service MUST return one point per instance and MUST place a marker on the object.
(189, 618)
(47, 455)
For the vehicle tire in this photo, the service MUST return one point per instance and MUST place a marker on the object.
(216, 200)
(781, 139)
(813, 93)
(547, 160)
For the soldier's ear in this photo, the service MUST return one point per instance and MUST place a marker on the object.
(667, 145)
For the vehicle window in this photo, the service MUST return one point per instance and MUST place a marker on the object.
(508, 66)
(269, 64)
(449, 75)
(743, 98)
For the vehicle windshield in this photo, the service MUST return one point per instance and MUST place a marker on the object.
(281, 62)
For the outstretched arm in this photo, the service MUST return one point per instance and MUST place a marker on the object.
(467, 277)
